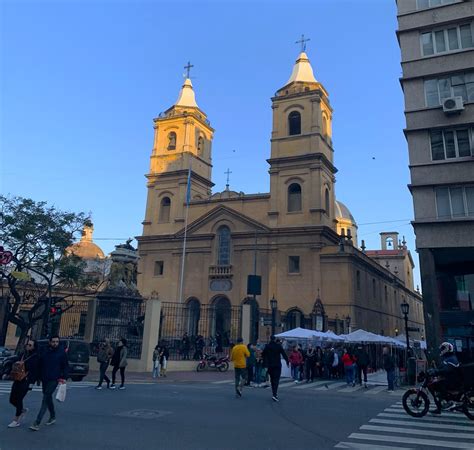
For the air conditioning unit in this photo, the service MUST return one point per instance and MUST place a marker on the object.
(453, 105)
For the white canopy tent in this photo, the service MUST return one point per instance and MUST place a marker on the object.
(300, 333)
(361, 336)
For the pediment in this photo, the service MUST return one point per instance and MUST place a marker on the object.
(209, 222)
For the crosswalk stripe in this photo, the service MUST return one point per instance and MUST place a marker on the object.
(286, 384)
(223, 382)
(420, 424)
(400, 410)
(358, 445)
(337, 384)
(309, 385)
(410, 440)
(459, 419)
(441, 434)
(376, 390)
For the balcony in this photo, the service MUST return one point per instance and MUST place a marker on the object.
(220, 271)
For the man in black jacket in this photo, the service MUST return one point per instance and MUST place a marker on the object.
(362, 361)
(272, 354)
(53, 369)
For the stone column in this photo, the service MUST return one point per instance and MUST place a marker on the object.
(151, 332)
(246, 315)
(90, 323)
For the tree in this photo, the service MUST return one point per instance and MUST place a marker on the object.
(41, 272)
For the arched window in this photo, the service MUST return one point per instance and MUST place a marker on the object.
(327, 202)
(221, 314)
(223, 250)
(389, 243)
(200, 146)
(172, 140)
(294, 197)
(193, 310)
(294, 123)
(165, 206)
(325, 126)
(358, 280)
(294, 319)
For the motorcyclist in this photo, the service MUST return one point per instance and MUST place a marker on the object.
(448, 374)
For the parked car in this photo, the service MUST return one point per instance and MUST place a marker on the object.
(77, 354)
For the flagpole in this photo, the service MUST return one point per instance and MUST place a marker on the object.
(188, 197)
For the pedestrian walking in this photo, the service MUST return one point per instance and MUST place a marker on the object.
(348, 360)
(296, 360)
(185, 346)
(272, 354)
(156, 362)
(389, 367)
(103, 358)
(238, 356)
(119, 362)
(362, 364)
(310, 364)
(24, 373)
(53, 369)
(259, 369)
(251, 360)
(318, 363)
(164, 356)
(334, 364)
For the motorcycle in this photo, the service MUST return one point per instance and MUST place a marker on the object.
(213, 362)
(416, 401)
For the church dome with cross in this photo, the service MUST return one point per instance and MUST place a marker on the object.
(345, 221)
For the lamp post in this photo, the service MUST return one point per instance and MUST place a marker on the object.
(405, 310)
(348, 323)
(273, 305)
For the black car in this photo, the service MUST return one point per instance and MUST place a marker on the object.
(77, 354)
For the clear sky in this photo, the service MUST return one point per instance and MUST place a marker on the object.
(81, 82)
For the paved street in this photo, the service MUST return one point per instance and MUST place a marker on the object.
(171, 415)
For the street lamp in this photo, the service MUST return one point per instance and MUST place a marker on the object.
(273, 305)
(405, 310)
(348, 323)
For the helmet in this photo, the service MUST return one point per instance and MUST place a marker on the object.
(446, 348)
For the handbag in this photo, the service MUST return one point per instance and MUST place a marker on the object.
(61, 392)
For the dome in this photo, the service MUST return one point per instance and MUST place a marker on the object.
(85, 248)
(342, 212)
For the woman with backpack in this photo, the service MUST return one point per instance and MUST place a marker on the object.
(23, 373)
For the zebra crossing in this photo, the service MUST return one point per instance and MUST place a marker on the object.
(5, 386)
(393, 429)
(327, 385)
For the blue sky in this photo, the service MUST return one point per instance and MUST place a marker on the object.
(82, 81)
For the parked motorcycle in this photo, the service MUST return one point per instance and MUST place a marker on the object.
(213, 362)
(416, 402)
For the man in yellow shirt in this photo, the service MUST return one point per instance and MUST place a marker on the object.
(238, 356)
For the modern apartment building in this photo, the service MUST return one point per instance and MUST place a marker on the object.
(437, 51)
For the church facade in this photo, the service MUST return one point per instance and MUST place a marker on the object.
(297, 237)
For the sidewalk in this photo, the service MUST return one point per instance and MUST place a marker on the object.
(171, 377)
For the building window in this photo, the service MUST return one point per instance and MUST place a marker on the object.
(327, 202)
(386, 293)
(294, 197)
(447, 144)
(455, 201)
(165, 206)
(451, 39)
(223, 253)
(374, 288)
(461, 84)
(294, 123)
(325, 126)
(423, 4)
(172, 140)
(159, 268)
(358, 280)
(293, 264)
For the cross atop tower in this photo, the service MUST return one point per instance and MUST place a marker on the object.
(302, 41)
(188, 67)
(228, 172)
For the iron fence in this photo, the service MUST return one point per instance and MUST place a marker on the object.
(210, 328)
(120, 318)
(68, 319)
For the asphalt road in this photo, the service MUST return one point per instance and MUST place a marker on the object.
(208, 416)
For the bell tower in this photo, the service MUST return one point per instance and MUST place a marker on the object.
(302, 174)
(182, 141)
